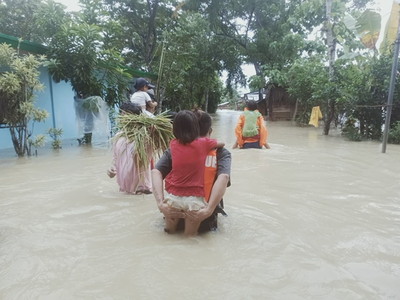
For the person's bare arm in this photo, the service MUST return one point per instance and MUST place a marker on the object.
(220, 145)
(158, 192)
(217, 192)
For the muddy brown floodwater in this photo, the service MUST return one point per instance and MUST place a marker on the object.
(315, 217)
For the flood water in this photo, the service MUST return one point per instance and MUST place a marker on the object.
(314, 217)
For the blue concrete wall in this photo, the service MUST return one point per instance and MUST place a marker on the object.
(57, 99)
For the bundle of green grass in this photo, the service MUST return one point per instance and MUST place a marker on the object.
(151, 136)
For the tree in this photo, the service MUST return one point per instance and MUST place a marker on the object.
(363, 92)
(268, 34)
(192, 80)
(77, 56)
(134, 28)
(18, 84)
(333, 28)
(33, 20)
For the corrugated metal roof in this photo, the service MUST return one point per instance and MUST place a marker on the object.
(23, 45)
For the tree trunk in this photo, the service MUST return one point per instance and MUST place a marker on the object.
(271, 105)
(331, 42)
(206, 101)
(295, 111)
(19, 140)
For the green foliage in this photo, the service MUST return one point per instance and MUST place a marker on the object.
(38, 142)
(394, 134)
(191, 79)
(256, 82)
(134, 28)
(232, 96)
(18, 83)
(363, 88)
(353, 134)
(77, 56)
(199, 39)
(307, 81)
(350, 131)
(359, 88)
(55, 134)
(91, 104)
(32, 20)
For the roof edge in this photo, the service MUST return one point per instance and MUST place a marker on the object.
(22, 44)
(37, 48)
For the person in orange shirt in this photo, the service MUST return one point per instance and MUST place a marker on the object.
(250, 130)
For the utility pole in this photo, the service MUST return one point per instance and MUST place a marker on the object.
(391, 90)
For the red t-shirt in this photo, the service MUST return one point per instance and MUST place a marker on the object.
(187, 175)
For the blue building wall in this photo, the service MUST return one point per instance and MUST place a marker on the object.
(58, 100)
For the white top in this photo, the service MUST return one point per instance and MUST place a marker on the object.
(140, 98)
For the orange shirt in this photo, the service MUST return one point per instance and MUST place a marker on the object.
(210, 172)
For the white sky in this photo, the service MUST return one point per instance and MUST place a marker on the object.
(72, 5)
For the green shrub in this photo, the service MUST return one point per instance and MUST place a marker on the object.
(394, 134)
(353, 134)
(350, 131)
(55, 134)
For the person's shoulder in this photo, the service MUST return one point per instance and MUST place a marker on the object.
(204, 138)
(223, 152)
(211, 141)
(139, 94)
(136, 95)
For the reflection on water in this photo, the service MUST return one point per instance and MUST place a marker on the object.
(315, 217)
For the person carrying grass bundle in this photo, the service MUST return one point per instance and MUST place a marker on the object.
(131, 177)
(184, 188)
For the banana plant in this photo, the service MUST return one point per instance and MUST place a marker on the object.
(366, 27)
(391, 28)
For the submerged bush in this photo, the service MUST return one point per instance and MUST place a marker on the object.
(394, 134)
(55, 134)
(351, 131)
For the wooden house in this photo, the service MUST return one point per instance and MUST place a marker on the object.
(277, 105)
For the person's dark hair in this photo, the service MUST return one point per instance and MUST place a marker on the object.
(251, 105)
(204, 121)
(185, 127)
(130, 108)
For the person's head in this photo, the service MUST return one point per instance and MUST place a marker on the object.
(142, 84)
(185, 127)
(204, 122)
(251, 105)
(130, 108)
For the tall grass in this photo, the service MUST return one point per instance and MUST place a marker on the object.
(151, 136)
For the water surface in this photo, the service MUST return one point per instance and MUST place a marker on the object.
(314, 217)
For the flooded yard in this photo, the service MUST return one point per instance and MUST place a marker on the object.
(314, 217)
